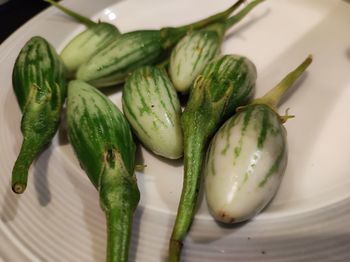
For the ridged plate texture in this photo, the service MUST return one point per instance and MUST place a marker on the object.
(59, 218)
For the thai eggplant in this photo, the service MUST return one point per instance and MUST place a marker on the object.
(197, 48)
(248, 156)
(83, 46)
(103, 142)
(131, 50)
(39, 83)
(226, 83)
(152, 107)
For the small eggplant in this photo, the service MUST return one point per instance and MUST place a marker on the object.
(39, 82)
(248, 156)
(152, 107)
(226, 83)
(83, 46)
(198, 48)
(102, 140)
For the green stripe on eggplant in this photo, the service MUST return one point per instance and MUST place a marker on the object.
(152, 107)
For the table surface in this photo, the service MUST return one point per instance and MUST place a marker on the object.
(15, 13)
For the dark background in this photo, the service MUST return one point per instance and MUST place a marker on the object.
(16, 12)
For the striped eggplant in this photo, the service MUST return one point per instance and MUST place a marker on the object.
(131, 50)
(248, 156)
(226, 83)
(103, 142)
(152, 107)
(39, 83)
(83, 46)
(198, 48)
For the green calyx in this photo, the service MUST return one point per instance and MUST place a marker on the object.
(119, 196)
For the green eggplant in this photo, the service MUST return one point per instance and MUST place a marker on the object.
(248, 156)
(151, 105)
(84, 45)
(198, 48)
(39, 84)
(102, 140)
(225, 84)
(131, 50)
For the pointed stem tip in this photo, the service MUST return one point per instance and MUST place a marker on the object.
(18, 188)
(19, 177)
(20, 174)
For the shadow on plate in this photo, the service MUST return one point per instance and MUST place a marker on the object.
(348, 51)
(41, 172)
(10, 205)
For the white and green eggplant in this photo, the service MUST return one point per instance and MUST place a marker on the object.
(84, 45)
(227, 82)
(39, 82)
(198, 48)
(248, 156)
(131, 50)
(152, 107)
(102, 140)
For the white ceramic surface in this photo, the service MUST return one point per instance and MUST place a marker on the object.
(58, 218)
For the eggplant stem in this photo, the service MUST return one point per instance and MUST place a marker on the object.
(175, 248)
(274, 96)
(118, 233)
(172, 35)
(194, 153)
(115, 188)
(20, 170)
(238, 17)
(214, 18)
(80, 18)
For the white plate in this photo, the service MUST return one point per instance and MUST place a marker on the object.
(58, 218)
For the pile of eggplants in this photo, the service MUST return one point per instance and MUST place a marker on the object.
(238, 143)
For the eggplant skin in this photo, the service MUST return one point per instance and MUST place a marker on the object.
(151, 105)
(245, 164)
(112, 64)
(38, 66)
(96, 126)
(190, 56)
(86, 44)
